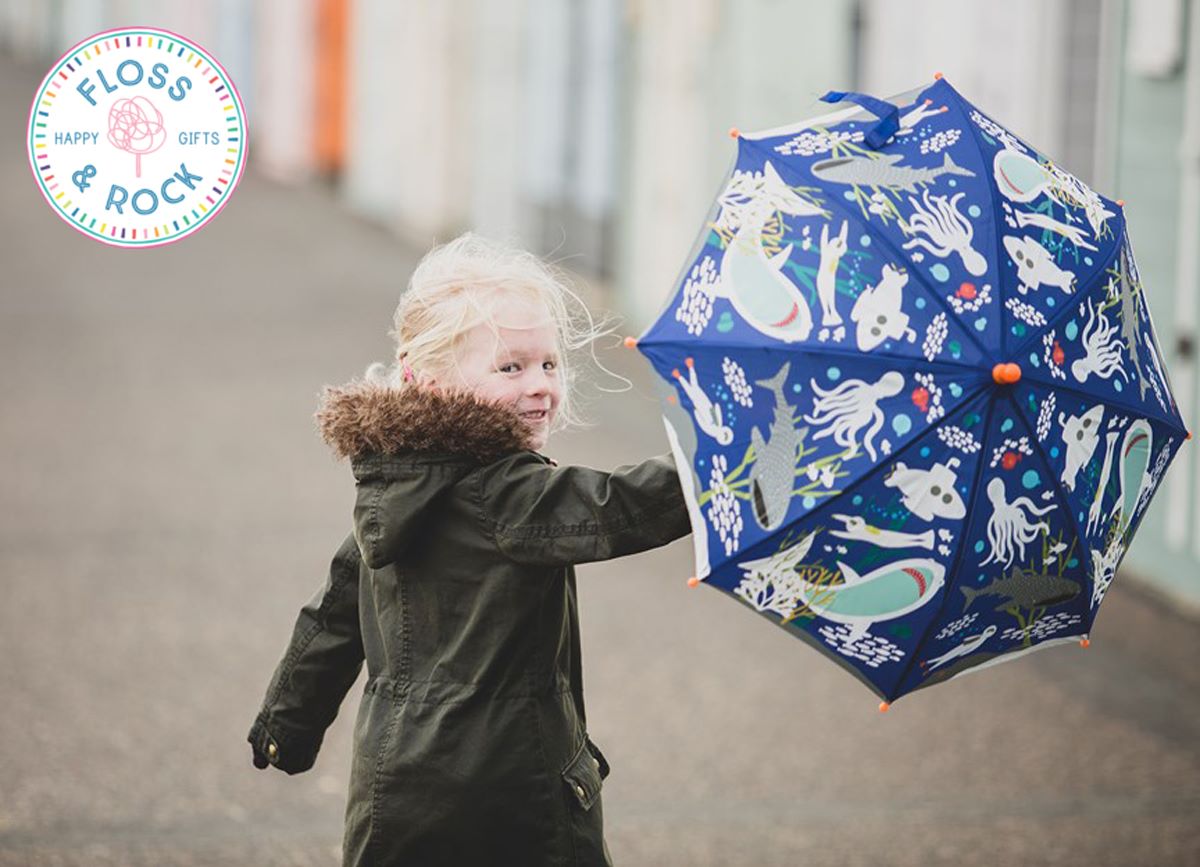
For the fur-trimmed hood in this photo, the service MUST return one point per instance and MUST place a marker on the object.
(362, 418)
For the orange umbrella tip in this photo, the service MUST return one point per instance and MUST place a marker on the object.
(630, 342)
(884, 707)
(689, 361)
(1189, 435)
(1006, 374)
(1085, 642)
(670, 398)
(937, 76)
(693, 581)
(734, 132)
(1120, 203)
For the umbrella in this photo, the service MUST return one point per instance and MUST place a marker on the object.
(913, 389)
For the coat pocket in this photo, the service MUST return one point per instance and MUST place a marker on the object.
(585, 772)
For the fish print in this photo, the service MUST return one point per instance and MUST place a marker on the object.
(1127, 295)
(1025, 588)
(754, 282)
(774, 469)
(890, 591)
(1020, 178)
(884, 171)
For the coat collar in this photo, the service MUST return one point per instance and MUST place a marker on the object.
(361, 418)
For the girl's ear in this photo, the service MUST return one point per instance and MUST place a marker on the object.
(428, 381)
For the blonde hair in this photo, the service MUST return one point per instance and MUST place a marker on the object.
(455, 287)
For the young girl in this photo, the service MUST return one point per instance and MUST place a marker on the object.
(457, 584)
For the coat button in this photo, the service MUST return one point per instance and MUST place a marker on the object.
(272, 750)
(596, 762)
(580, 792)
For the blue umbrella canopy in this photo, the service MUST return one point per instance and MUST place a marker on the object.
(913, 389)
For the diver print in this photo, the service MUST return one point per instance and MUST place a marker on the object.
(832, 250)
(966, 647)
(1040, 221)
(704, 410)
(858, 530)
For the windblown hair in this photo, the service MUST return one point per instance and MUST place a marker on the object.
(463, 283)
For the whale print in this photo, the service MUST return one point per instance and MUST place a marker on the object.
(1025, 588)
(774, 469)
(884, 170)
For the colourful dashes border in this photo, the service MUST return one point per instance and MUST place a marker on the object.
(212, 200)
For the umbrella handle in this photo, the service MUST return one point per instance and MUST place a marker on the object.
(889, 115)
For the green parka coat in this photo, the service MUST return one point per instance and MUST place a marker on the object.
(457, 588)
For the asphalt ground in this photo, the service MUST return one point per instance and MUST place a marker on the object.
(167, 508)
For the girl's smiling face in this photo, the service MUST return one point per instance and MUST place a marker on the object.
(514, 360)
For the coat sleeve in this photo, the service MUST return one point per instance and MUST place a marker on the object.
(320, 665)
(557, 516)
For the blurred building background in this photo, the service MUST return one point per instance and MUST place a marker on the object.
(595, 130)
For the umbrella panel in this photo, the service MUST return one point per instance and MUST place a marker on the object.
(830, 350)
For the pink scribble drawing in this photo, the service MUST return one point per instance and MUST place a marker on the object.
(135, 126)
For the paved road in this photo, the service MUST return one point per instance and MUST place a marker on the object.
(167, 508)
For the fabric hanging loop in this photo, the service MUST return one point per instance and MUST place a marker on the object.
(889, 115)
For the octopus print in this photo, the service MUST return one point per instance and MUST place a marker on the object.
(1010, 528)
(846, 411)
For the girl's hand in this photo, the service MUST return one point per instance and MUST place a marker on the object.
(260, 760)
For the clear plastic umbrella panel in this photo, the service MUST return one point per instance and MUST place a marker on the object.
(913, 390)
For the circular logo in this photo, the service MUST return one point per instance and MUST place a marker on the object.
(137, 137)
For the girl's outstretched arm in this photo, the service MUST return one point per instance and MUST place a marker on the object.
(319, 667)
(546, 515)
